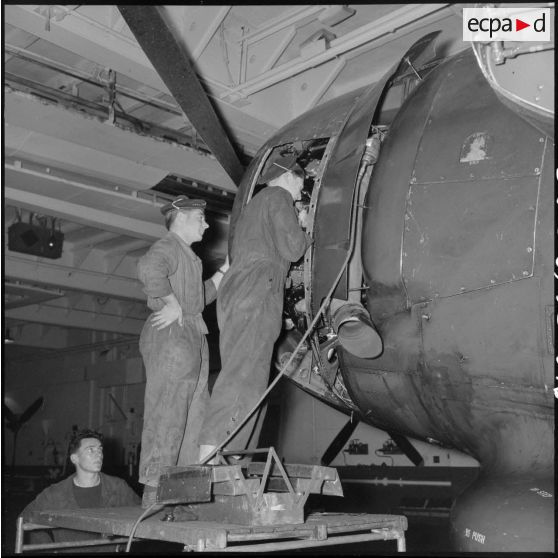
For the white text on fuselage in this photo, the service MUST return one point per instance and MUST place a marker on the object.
(542, 493)
(475, 536)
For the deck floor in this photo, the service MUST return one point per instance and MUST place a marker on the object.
(319, 529)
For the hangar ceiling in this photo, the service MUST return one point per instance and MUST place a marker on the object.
(96, 138)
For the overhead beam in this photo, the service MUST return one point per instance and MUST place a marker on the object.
(110, 49)
(81, 319)
(367, 33)
(85, 215)
(38, 271)
(168, 57)
(93, 147)
(28, 294)
(206, 20)
(298, 16)
(87, 39)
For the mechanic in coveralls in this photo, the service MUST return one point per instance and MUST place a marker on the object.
(268, 237)
(173, 343)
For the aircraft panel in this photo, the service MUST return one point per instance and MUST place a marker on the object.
(472, 137)
(470, 336)
(483, 235)
(333, 218)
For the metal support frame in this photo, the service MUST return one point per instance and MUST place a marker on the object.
(263, 493)
(23, 527)
(202, 536)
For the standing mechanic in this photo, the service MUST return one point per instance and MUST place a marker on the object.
(268, 237)
(173, 343)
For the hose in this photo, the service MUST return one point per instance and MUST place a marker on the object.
(310, 328)
(138, 521)
(284, 369)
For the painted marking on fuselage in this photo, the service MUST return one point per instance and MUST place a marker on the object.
(400, 482)
(475, 536)
(541, 492)
(475, 148)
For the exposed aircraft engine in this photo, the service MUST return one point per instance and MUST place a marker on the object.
(430, 206)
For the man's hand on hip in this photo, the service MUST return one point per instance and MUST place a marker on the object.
(171, 312)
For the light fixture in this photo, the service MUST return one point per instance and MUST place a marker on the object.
(36, 237)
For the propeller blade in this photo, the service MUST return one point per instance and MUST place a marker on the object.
(31, 410)
(9, 414)
(407, 448)
(339, 441)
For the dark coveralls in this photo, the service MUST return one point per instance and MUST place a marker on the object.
(268, 238)
(176, 358)
(115, 492)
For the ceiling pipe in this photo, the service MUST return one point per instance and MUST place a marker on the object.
(169, 58)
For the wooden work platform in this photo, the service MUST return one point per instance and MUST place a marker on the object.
(319, 529)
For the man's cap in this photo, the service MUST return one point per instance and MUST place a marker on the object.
(279, 165)
(183, 202)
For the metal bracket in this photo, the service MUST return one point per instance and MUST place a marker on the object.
(263, 493)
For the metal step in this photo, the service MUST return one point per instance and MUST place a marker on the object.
(264, 493)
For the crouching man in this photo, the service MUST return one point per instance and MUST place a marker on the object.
(87, 488)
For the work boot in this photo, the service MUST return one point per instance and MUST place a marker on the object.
(149, 496)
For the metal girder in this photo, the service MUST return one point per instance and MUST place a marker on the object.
(40, 129)
(169, 58)
(87, 39)
(106, 220)
(24, 295)
(21, 268)
(203, 21)
(360, 36)
(82, 319)
(110, 49)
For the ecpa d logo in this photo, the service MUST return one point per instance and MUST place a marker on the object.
(506, 24)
